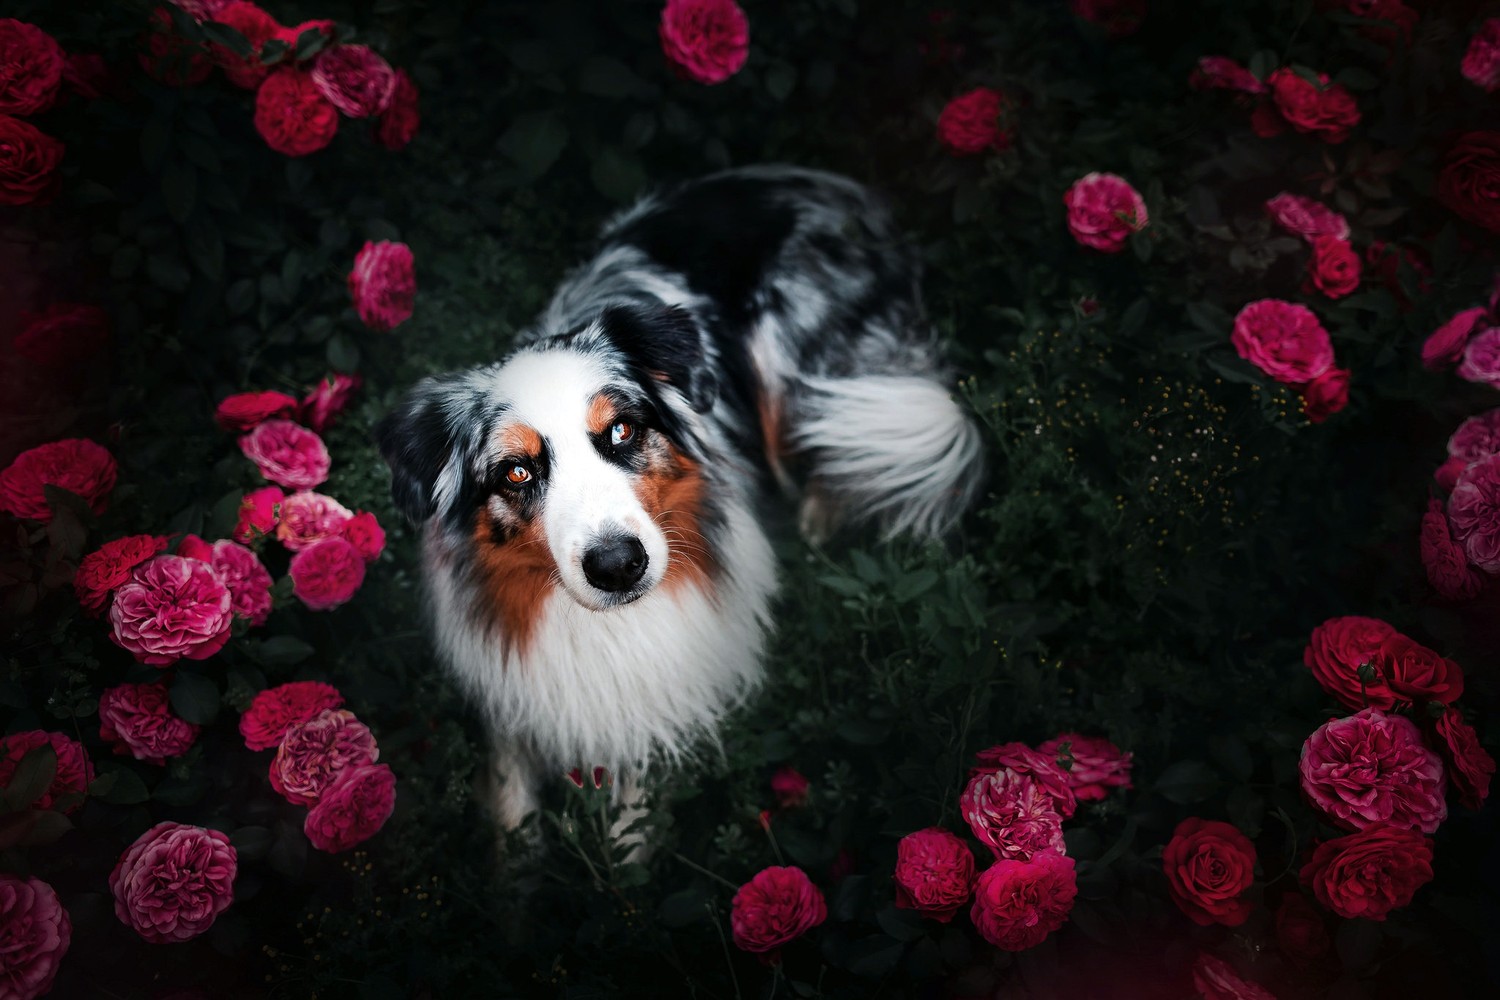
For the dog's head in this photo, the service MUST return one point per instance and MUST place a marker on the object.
(574, 462)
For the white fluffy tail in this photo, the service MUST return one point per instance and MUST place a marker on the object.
(896, 450)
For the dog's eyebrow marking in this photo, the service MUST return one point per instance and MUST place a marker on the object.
(519, 440)
(601, 413)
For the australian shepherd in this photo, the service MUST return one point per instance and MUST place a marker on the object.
(598, 576)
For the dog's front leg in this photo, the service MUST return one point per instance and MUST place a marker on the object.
(512, 793)
(631, 795)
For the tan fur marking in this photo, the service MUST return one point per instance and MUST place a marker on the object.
(516, 576)
(519, 440)
(772, 435)
(601, 414)
(671, 492)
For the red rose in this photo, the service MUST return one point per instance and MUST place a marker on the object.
(934, 873)
(776, 906)
(1403, 20)
(138, 720)
(174, 881)
(397, 125)
(1323, 109)
(352, 809)
(1481, 63)
(705, 40)
(1470, 766)
(974, 122)
(1223, 73)
(171, 607)
(104, 569)
(258, 514)
(355, 79)
(1103, 210)
(171, 58)
(1369, 873)
(1266, 121)
(1447, 567)
(364, 532)
(1469, 182)
(62, 335)
(327, 574)
(74, 769)
(28, 162)
(1095, 764)
(313, 754)
(75, 464)
(37, 935)
(322, 26)
(1334, 267)
(1300, 931)
(258, 28)
(1018, 903)
(1041, 767)
(292, 114)
(1209, 867)
(1118, 18)
(1446, 345)
(327, 400)
(1338, 648)
(1326, 395)
(245, 410)
(275, 710)
(31, 68)
(1416, 673)
(1215, 979)
(287, 454)
(383, 284)
(1282, 339)
(790, 788)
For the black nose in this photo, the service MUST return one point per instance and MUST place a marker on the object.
(615, 563)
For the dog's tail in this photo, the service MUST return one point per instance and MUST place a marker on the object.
(895, 450)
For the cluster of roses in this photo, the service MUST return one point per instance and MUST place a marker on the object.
(326, 760)
(1290, 96)
(303, 79)
(33, 68)
(1460, 540)
(1471, 340)
(1287, 342)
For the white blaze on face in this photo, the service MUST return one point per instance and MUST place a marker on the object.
(587, 498)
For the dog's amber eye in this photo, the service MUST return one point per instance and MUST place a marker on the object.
(621, 433)
(519, 475)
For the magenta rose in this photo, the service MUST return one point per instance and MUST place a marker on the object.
(1307, 218)
(74, 769)
(1012, 815)
(257, 27)
(1481, 62)
(934, 873)
(75, 464)
(248, 580)
(1097, 765)
(398, 124)
(1446, 345)
(352, 809)
(246, 410)
(31, 68)
(1446, 475)
(1470, 767)
(1334, 267)
(174, 881)
(705, 40)
(364, 532)
(790, 787)
(1369, 873)
(327, 574)
(1418, 674)
(1223, 73)
(29, 159)
(1326, 395)
(1040, 767)
(355, 79)
(974, 122)
(1476, 438)
(258, 514)
(1215, 979)
(1373, 768)
(171, 608)
(1103, 210)
(307, 518)
(383, 284)
(1447, 567)
(776, 906)
(1336, 651)
(1474, 513)
(1324, 109)
(1018, 903)
(62, 335)
(34, 935)
(104, 569)
(137, 719)
(1282, 339)
(327, 400)
(313, 754)
(287, 454)
(291, 113)
(276, 710)
(1481, 358)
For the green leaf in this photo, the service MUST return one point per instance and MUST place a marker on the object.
(241, 297)
(534, 141)
(309, 44)
(32, 777)
(1133, 319)
(903, 925)
(195, 698)
(684, 907)
(251, 842)
(616, 174)
(781, 80)
(605, 76)
(874, 956)
(1233, 370)
(32, 828)
(167, 273)
(1263, 63)
(343, 355)
(847, 586)
(1187, 781)
(284, 650)
(205, 246)
(1357, 942)
(125, 788)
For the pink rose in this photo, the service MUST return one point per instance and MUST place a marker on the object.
(1326, 395)
(1337, 650)
(1223, 73)
(1446, 475)
(1369, 873)
(75, 464)
(287, 454)
(1474, 513)
(790, 788)
(355, 79)
(174, 881)
(62, 335)
(276, 710)
(245, 410)
(327, 574)
(1470, 767)
(307, 518)
(248, 580)
(1282, 339)
(366, 535)
(383, 284)
(1040, 767)
(1215, 979)
(1103, 210)
(1097, 765)
(1012, 815)
(705, 40)
(974, 122)
(313, 754)
(1476, 438)
(138, 720)
(1307, 218)
(1324, 109)
(101, 571)
(934, 873)
(1481, 63)
(258, 514)
(171, 608)
(776, 906)
(36, 934)
(352, 809)
(291, 113)
(1373, 768)
(31, 68)
(1446, 345)
(74, 769)
(1481, 358)
(1017, 904)
(1334, 267)
(327, 400)
(398, 124)
(1447, 568)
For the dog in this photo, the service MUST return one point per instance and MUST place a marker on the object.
(598, 575)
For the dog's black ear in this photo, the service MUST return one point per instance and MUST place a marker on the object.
(666, 343)
(418, 440)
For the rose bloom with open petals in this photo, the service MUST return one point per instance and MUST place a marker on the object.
(352, 809)
(1215, 979)
(705, 40)
(291, 113)
(171, 608)
(1470, 767)
(29, 159)
(1373, 768)
(34, 936)
(327, 574)
(307, 518)
(258, 514)
(287, 454)
(75, 464)
(1418, 674)
(1481, 358)
(1477, 438)
(327, 400)
(934, 873)
(1282, 339)
(1481, 62)
(776, 906)
(1103, 211)
(248, 580)
(355, 79)
(1446, 475)
(1447, 567)
(31, 68)
(1338, 648)
(245, 410)
(74, 769)
(364, 532)
(1012, 815)
(974, 122)
(1326, 395)
(1324, 109)
(1018, 903)
(137, 719)
(1098, 765)
(1039, 766)
(1307, 218)
(1223, 73)
(1209, 866)
(274, 711)
(174, 881)
(383, 284)
(312, 754)
(1474, 513)
(398, 124)
(108, 566)
(1447, 343)
(62, 335)
(1369, 873)
(1334, 267)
